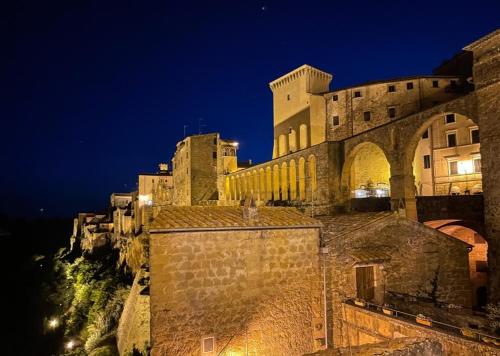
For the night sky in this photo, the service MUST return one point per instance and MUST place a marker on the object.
(99, 91)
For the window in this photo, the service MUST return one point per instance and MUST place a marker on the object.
(477, 165)
(451, 139)
(367, 116)
(215, 141)
(481, 266)
(357, 94)
(392, 112)
(214, 155)
(474, 135)
(288, 97)
(426, 134)
(449, 119)
(391, 88)
(435, 83)
(427, 161)
(208, 344)
(336, 121)
(409, 86)
(335, 97)
(453, 167)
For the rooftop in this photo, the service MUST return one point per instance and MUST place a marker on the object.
(192, 218)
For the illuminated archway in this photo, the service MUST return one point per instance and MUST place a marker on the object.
(303, 139)
(293, 180)
(302, 178)
(262, 184)
(227, 189)
(313, 180)
(283, 147)
(292, 140)
(445, 156)
(269, 184)
(284, 181)
(276, 182)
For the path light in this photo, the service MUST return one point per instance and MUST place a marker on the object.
(70, 344)
(53, 323)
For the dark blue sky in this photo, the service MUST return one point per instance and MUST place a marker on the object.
(99, 91)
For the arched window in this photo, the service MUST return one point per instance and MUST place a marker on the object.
(303, 140)
(283, 147)
(292, 140)
(312, 173)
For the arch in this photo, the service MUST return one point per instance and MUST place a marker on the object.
(283, 147)
(227, 187)
(293, 180)
(255, 184)
(249, 180)
(313, 181)
(302, 178)
(233, 189)
(284, 181)
(366, 172)
(269, 184)
(292, 140)
(262, 184)
(303, 136)
(445, 171)
(276, 183)
(238, 188)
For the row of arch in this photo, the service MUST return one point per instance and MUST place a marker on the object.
(290, 180)
(291, 142)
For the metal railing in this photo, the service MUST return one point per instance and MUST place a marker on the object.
(467, 333)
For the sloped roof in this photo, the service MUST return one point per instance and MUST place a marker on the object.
(186, 218)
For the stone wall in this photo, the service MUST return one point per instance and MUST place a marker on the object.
(366, 327)
(134, 326)
(255, 290)
(409, 258)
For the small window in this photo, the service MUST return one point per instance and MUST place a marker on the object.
(357, 94)
(449, 119)
(481, 266)
(335, 97)
(391, 88)
(288, 97)
(435, 83)
(208, 344)
(336, 121)
(477, 165)
(214, 155)
(474, 136)
(215, 141)
(409, 86)
(426, 134)
(367, 116)
(453, 167)
(451, 139)
(392, 112)
(427, 161)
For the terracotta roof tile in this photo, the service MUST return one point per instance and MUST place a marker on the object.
(226, 217)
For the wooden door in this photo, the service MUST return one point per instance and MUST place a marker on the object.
(365, 282)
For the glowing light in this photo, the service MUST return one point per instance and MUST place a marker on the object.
(53, 323)
(465, 167)
(70, 344)
(235, 144)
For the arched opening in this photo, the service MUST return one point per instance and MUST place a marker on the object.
(284, 181)
(302, 178)
(368, 175)
(255, 184)
(292, 140)
(303, 141)
(312, 175)
(262, 184)
(238, 187)
(227, 189)
(233, 189)
(293, 181)
(269, 184)
(276, 183)
(275, 149)
(478, 256)
(249, 190)
(283, 149)
(446, 157)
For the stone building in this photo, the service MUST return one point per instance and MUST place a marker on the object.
(226, 281)
(198, 163)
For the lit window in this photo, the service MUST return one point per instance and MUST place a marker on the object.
(474, 136)
(449, 119)
(426, 134)
(453, 167)
(367, 116)
(335, 97)
(357, 94)
(409, 86)
(477, 165)
(208, 344)
(427, 161)
(336, 121)
(392, 112)
(435, 83)
(451, 139)
(391, 88)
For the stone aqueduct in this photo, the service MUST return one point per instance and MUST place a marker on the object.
(318, 175)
